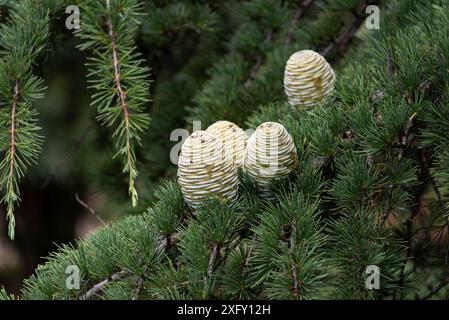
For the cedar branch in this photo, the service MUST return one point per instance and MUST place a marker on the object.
(344, 39)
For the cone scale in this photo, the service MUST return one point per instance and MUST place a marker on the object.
(234, 139)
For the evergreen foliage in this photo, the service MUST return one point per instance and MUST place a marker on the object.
(23, 38)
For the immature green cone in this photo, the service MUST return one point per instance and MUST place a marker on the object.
(270, 155)
(205, 169)
(234, 139)
(308, 79)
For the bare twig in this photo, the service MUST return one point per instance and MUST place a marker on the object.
(295, 284)
(139, 288)
(89, 208)
(385, 215)
(140, 284)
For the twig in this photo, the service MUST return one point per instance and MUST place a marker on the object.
(139, 288)
(259, 59)
(390, 64)
(435, 290)
(76, 144)
(385, 215)
(140, 284)
(90, 209)
(438, 193)
(13, 131)
(247, 258)
(256, 67)
(298, 13)
(124, 106)
(424, 177)
(100, 286)
(163, 245)
(295, 285)
(211, 267)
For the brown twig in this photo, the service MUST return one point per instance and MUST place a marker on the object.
(256, 67)
(211, 267)
(438, 193)
(434, 290)
(298, 13)
(295, 284)
(13, 130)
(89, 208)
(344, 39)
(122, 95)
(167, 243)
(76, 145)
(385, 215)
(139, 288)
(117, 75)
(100, 286)
(419, 197)
(259, 58)
(390, 64)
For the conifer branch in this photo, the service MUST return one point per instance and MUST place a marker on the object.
(298, 14)
(22, 38)
(259, 59)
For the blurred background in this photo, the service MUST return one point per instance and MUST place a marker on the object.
(77, 185)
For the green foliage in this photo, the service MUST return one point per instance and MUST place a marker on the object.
(118, 75)
(288, 250)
